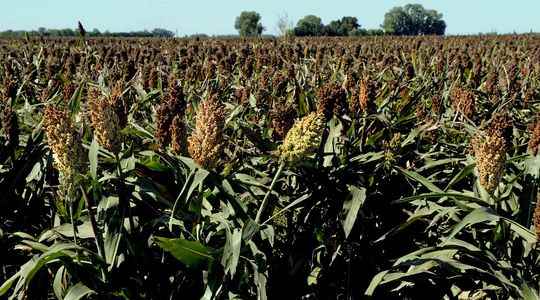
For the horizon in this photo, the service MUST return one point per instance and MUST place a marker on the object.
(195, 18)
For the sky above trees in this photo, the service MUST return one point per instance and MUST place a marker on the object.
(218, 17)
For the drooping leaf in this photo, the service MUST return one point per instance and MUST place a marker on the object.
(352, 206)
(191, 253)
(420, 179)
(93, 158)
(78, 291)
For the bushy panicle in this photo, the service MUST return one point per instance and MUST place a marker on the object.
(502, 124)
(282, 117)
(69, 157)
(490, 153)
(206, 143)
(332, 99)
(536, 219)
(463, 101)
(105, 122)
(366, 96)
(302, 139)
(170, 115)
(178, 135)
(534, 140)
(10, 125)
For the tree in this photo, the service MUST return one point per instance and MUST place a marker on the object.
(309, 25)
(160, 32)
(284, 25)
(344, 27)
(249, 24)
(413, 19)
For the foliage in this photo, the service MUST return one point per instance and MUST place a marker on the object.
(248, 23)
(309, 25)
(344, 27)
(413, 19)
(68, 32)
(329, 168)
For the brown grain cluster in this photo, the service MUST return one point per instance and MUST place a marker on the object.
(105, 121)
(65, 143)
(501, 124)
(463, 101)
(10, 125)
(206, 143)
(536, 219)
(534, 139)
(332, 100)
(171, 128)
(366, 96)
(282, 117)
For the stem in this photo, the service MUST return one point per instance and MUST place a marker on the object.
(72, 222)
(188, 179)
(97, 234)
(124, 201)
(93, 222)
(266, 197)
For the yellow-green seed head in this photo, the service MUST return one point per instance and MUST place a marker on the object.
(302, 139)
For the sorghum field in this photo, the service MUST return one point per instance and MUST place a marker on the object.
(379, 167)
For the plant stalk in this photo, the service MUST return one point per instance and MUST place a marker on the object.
(267, 196)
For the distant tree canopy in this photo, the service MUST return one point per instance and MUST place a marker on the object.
(312, 25)
(413, 19)
(158, 32)
(309, 25)
(344, 27)
(248, 23)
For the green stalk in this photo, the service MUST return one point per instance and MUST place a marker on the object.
(266, 197)
(73, 222)
(93, 222)
(123, 200)
(97, 234)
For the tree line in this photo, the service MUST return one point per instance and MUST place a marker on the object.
(68, 32)
(411, 19)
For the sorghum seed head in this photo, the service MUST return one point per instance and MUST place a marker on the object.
(66, 146)
(463, 101)
(490, 153)
(105, 122)
(332, 100)
(205, 145)
(534, 140)
(302, 139)
(172, 107)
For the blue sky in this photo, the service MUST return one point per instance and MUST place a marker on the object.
(217, 16)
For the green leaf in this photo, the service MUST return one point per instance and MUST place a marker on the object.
(191, 253)
(529, 293)
(93, 157)
(453, 195)
(249, 230)
(332, 141)
(532, 165)
(313, 276)
(352, 206)
(375, 282)
(420, 179)
(58, 286)
(4, 288)
(484, 214)
(198, 179)
(78, 291)
(459, 176)
(231, 252)
(478, 215)
(288, 207)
